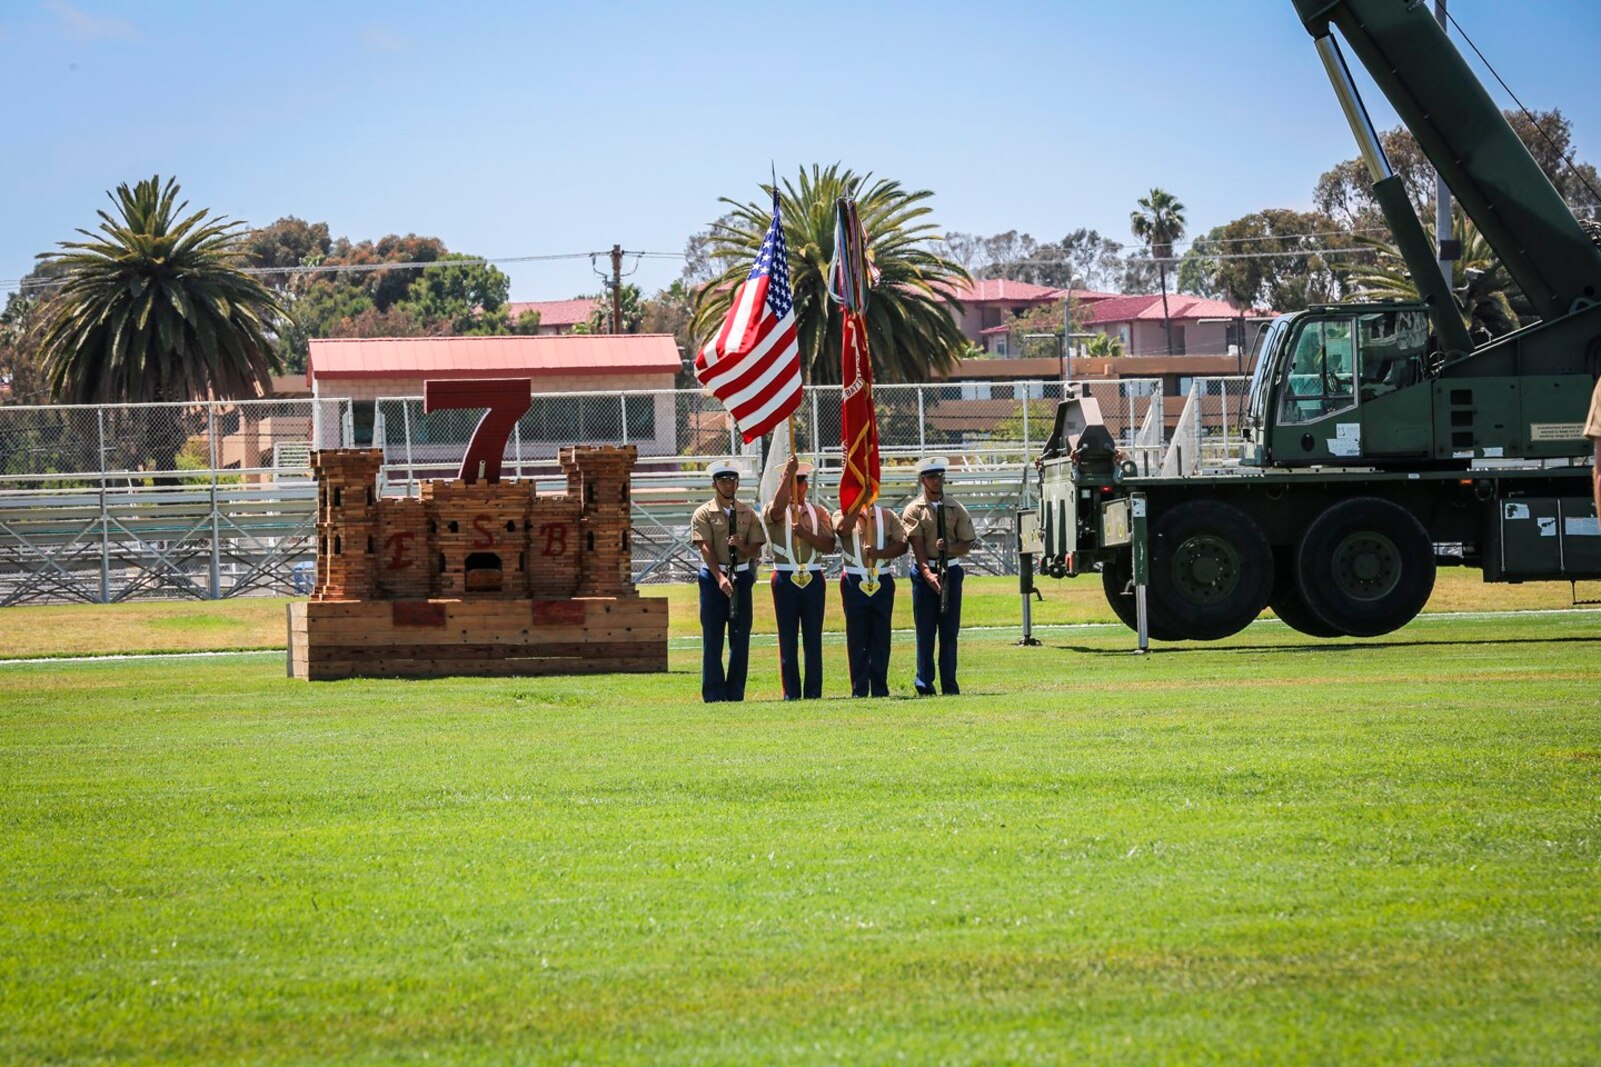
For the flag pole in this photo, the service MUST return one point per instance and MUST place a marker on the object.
(793, 452)
(772, 168)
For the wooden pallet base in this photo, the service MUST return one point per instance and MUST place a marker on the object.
(440, 638)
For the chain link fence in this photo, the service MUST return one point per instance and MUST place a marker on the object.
(215, 499)
(982, 424)
(131, 445)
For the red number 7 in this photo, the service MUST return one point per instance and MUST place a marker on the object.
(506, 398)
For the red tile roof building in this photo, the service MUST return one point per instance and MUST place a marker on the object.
(1200, 326)
(989, 304)
(555, 316)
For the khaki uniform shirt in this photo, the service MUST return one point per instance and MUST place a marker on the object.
(1592, 426)
(778, 536)
(883, 530)
(710, 527)
(919, 520)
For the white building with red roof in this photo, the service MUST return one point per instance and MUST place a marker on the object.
(596, 367)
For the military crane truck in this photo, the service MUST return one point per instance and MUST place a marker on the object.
(1382, 439)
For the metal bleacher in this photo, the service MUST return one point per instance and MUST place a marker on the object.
(664, 502)
(119, 543)
(231, 511)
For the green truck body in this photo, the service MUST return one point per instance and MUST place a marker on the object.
(1382, 439)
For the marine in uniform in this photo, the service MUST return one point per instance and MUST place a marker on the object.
(729, 536)
(940, 532)
(868, 539)
(799, 534)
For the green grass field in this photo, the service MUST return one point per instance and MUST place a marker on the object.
(1265, 850)
(258, 622)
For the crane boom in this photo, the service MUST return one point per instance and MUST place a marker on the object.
(1469, 142)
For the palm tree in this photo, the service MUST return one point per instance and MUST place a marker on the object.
(1489, 302)
(910, 328)
(155, 307)
(1159, 222)
(630, 304)
(1104, 344)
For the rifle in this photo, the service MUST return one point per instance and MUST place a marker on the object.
(733, 564)
(942, 565)
(866, 538)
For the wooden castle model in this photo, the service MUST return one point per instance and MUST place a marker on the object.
(478, 577)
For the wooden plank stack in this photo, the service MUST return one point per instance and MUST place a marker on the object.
(442, 637)
(553, 536)
(406, 565)
(475, 578)
(599, 478)
(347, 521)
(480, 536)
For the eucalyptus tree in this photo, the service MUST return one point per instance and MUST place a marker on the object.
(21, 380)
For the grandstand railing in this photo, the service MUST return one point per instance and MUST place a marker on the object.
(1207, 436)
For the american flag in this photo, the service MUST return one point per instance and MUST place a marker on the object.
(753, 364)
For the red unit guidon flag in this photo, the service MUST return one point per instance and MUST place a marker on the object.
(753, 364)
(851, 276)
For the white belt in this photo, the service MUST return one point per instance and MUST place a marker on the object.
(788, 568)
(862, 572)
(741, 569)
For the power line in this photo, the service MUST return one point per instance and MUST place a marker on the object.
(1240, 240)
(22, 284)
(1576, 207)
(361, 268)
(483, 261)
(1260, 255)
(1281, 236)
(356, 268)
(1201, 255)
(15, 284)
(1567, 160)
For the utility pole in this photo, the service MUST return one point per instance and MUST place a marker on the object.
(1444, 240)
(617, 286)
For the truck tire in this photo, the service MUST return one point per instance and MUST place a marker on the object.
(1116, 581)
(1365, 566)
(1290, 606)
(1211, 569)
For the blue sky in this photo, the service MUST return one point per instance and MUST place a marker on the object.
(529, 129)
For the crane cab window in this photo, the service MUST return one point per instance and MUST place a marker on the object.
(1392, 346)
(1320, 380)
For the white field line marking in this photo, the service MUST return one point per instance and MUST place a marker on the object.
(831, 637)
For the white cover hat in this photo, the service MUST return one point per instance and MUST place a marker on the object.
(933, 465)
(721, 467)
